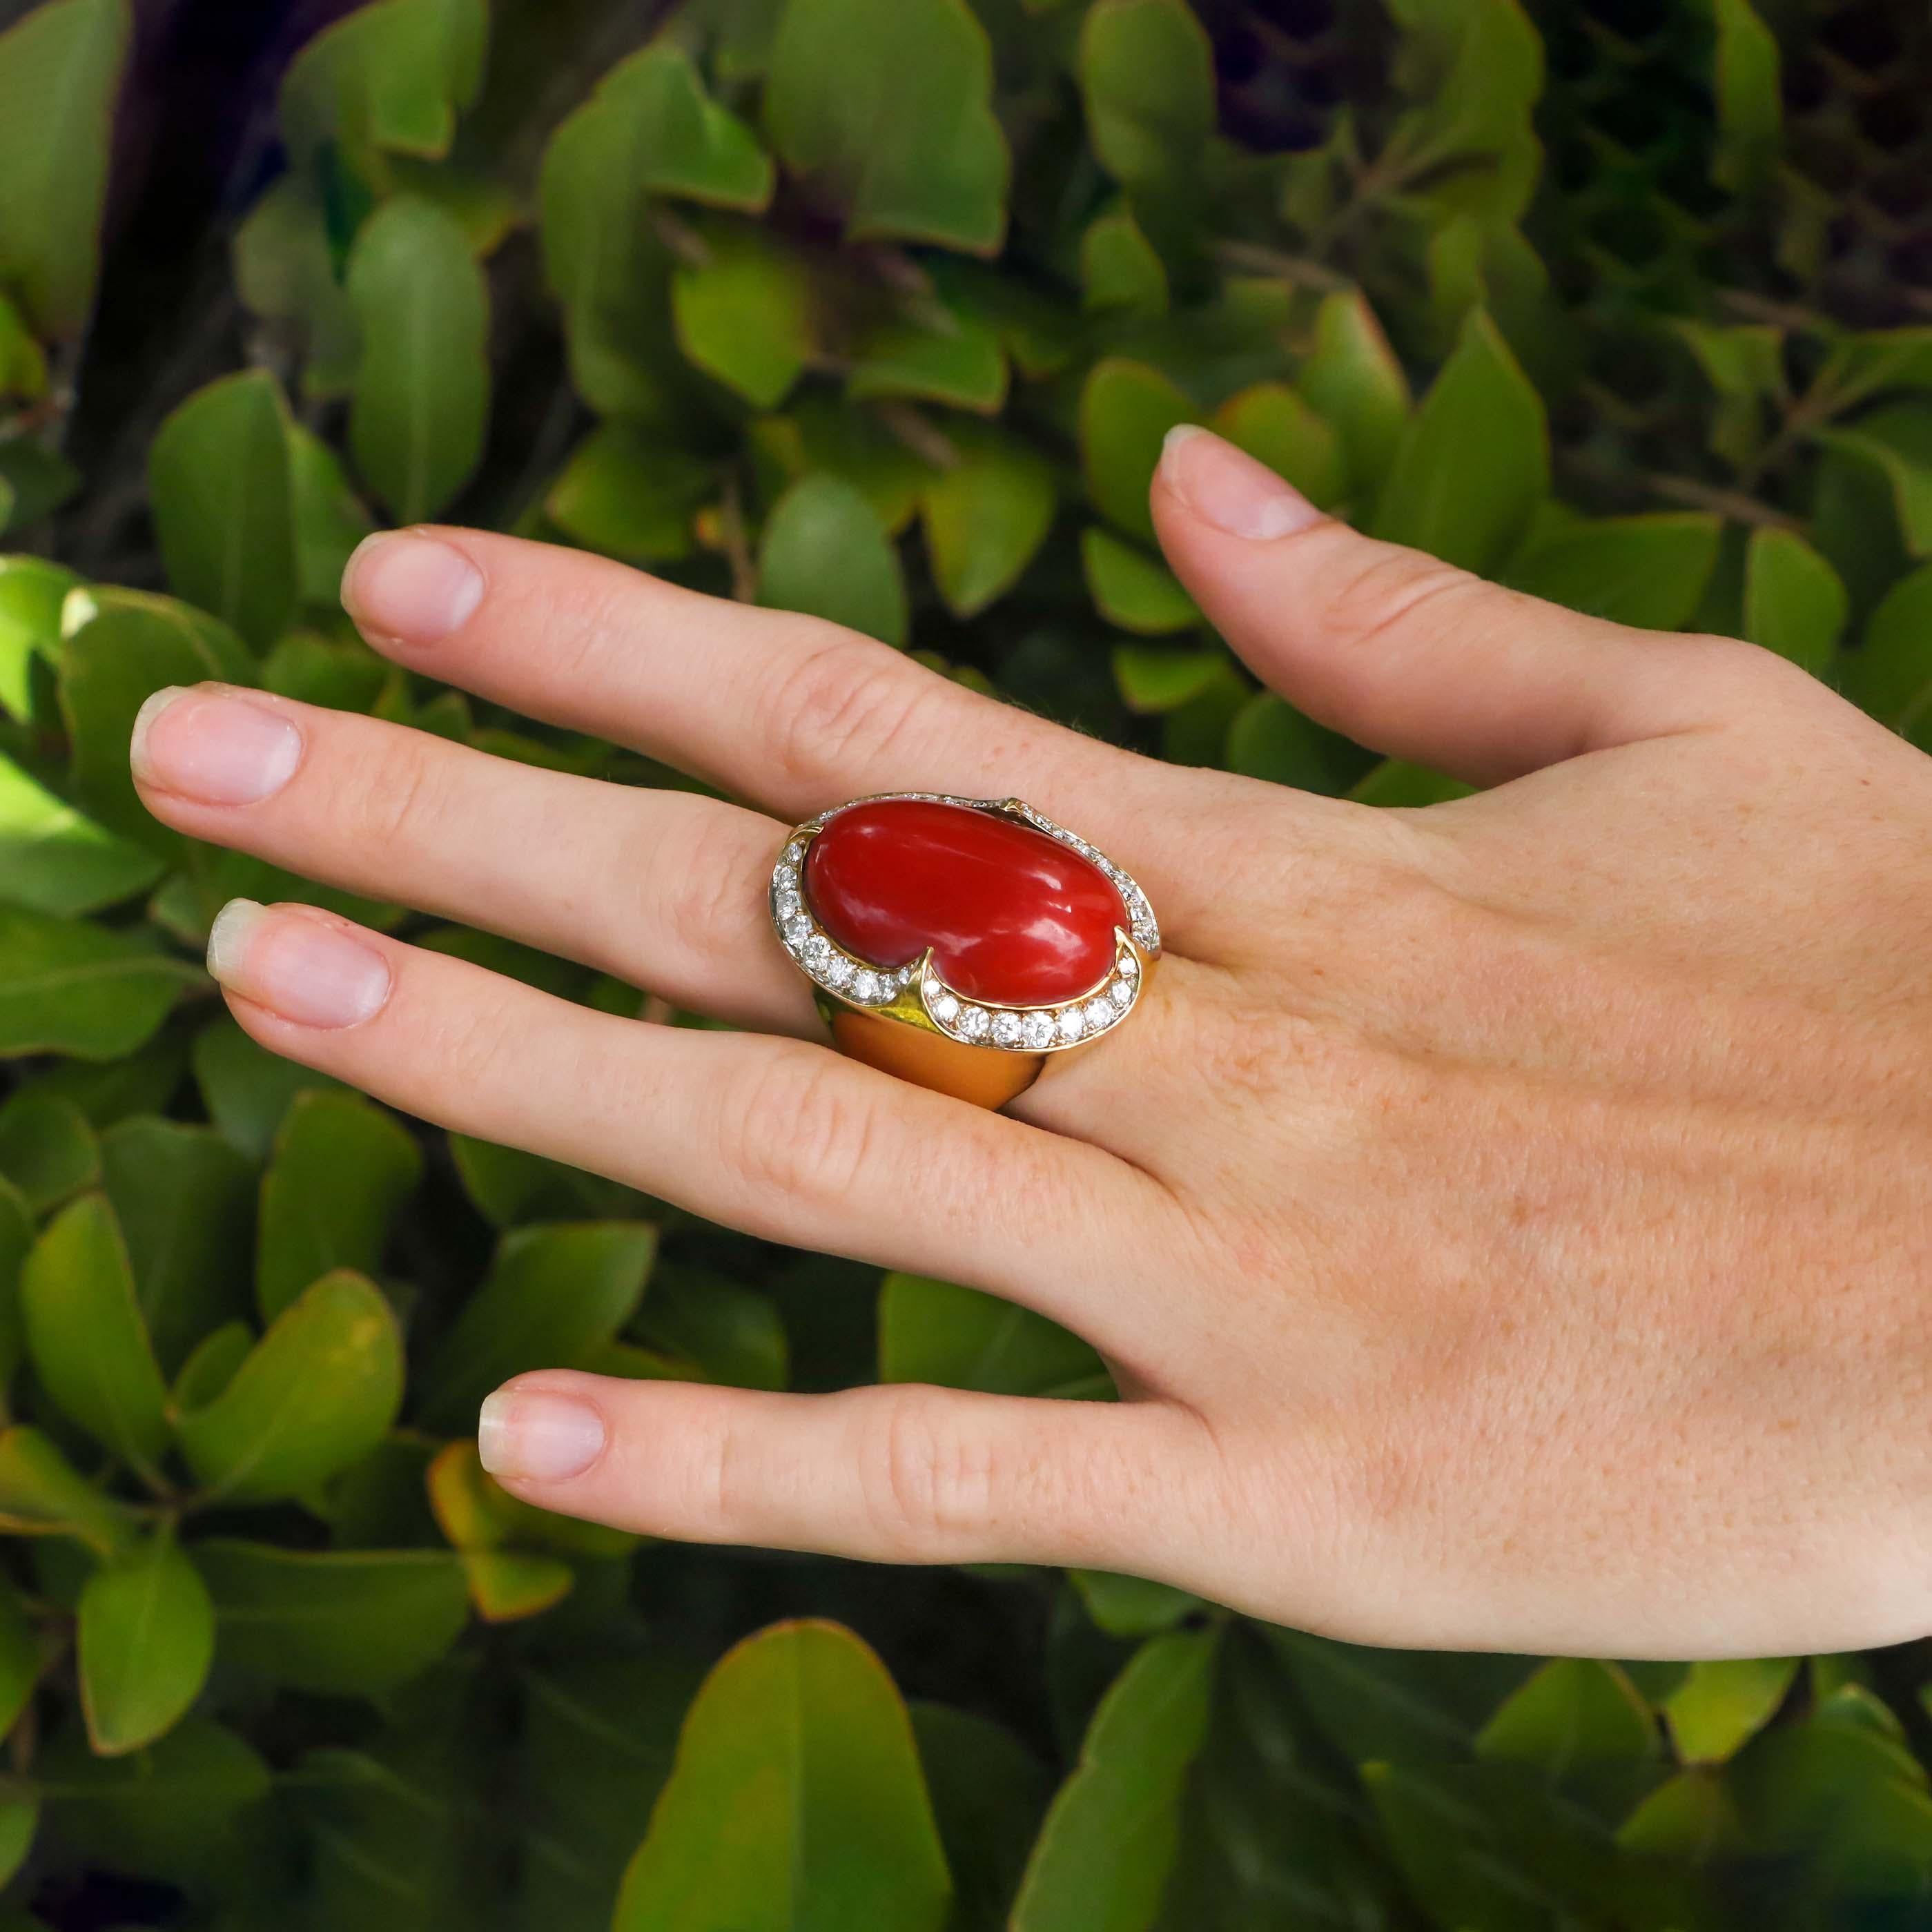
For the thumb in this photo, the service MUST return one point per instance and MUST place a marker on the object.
(1407, 654)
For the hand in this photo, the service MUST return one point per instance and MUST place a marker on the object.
(1506, 1222)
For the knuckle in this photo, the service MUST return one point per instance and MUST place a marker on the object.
(924, 1481)
(695, 898)
(800, 1130)
(1378, 599)
(848, 700)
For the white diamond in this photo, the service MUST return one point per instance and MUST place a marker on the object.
(797, 929)
(866, 987)
(974, 1021)
(1120, 992)
(1073, 1023)
(1098, 1014)
(838, 971)
(818, 950)
(794, 854)
(1130, 965)
(1007, 1029)
(789, 902)
(945, 1009)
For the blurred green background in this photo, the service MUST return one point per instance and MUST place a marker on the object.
(876, 308)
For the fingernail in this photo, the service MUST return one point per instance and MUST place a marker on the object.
(297, 965)
(1227, 487)
(413, 588)
(540, 1437)
(214, 746)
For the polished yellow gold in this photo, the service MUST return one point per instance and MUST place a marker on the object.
(907, 1021)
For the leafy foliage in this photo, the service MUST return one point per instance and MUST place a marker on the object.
(877, 309)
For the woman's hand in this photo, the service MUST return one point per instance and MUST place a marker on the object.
(1508, 1222)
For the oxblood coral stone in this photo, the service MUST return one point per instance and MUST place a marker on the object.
(1011, 915)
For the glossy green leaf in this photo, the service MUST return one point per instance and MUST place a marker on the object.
(1896, 441)
(822, 551)
(629, 495)
(341, 1169)
(32, 592)
(553, 1296)
(510, 1187)
(1275, 426)
(1127, 409)
(170, 1812)
(1132, 590)
(55, 858)
(886, 107)
(320, 1389)
(285, 271)
(1749, 112)
(743, 311)
(960, 364)
(1131, 1607)
(934, 1331)
(823, 432)
(1690, 1818)
(17, 1237)
(1146, 78)
(341, 1623)
(88, 1343)
(184, 1199)
(42, 1494)
(725, 1331)
(248, 1089)
(986, 517)
(68, 987)
(1269, 739)
(1580, 1724)
(1721, 1704)
(989, 1793)
(1650, 571)
(422, 386)
(130, 647)
(1396, 782)
(145, 1640)
(1445, 1847)
(35, 481)
(48, 1149)
(330, 520)
(1794, 602)
(210, 1367)
(1120, 268)
(20, 1659)
(1105, 1855)
(796, 1803)
(23, 365)
(1155, 678)
(60, 70)
(1474, 463)
(218, 479)
(20, 1820)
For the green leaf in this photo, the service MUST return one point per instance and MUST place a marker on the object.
(68, 987)
(934, 1331)
(1109, 1843)
(886, 106)
(1580, 1724)
(1120, 268)
(20, 1659)
(823, 432)
(1163, 678)
(1275, 426)
(1649, 571)
(42, 1495)
(1719, 1705)
(340, 1623)
(145, 1640)
(555, 1295)
(986, 517)
(128, 647)
(34, 482)
(1127, 409)
(23, 367)
(961, 365)
(1133, 590)
(170, 1812)
(89, 1345)
(48, 1149)
(31, 594)
(796, 1803)
(1690, 1818)
(246, 1089)
(1890, 674)
(1750, 113)
(989, 1795)
(1896, 440)
(1269, 739)
(17, 1237)
(319, 1391)
(510, 1187)
(54, 858)
(1446, 1849)
(210, 1367)
(1474, 463)
(341, 1170)
(285, 271)
(1147, 77)
(390, 78)
(627, 495)
(1795, 603)
(330, 520)
(218, 477)
(184, 1199)
(1396, 782)
(60, 71)
(1131, 1607)
(422, 386)
(743, 312)
(822, 551)
(727, 1333)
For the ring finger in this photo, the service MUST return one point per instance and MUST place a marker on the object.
(664, 889)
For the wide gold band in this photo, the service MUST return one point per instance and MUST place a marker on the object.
(907, 1021)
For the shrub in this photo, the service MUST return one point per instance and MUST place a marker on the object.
(876, 308)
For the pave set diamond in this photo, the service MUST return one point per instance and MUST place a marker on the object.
(1019, 1030)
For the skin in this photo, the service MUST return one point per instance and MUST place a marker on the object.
(1506, 1221)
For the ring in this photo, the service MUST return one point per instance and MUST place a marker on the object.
(957, 942)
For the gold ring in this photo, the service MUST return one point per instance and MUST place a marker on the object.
(958, 942)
